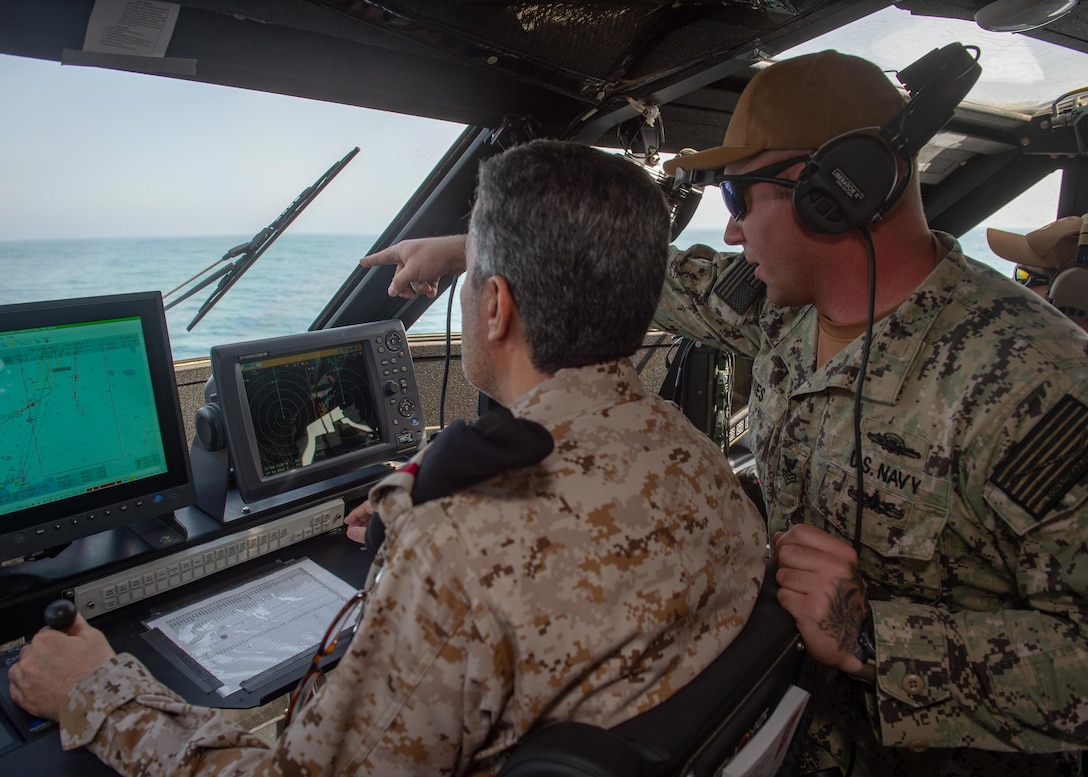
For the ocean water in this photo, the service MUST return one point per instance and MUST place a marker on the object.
(282, 293)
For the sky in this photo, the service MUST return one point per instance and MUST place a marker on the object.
(89, 152)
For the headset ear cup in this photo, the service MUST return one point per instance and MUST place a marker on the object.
(1068, 292)
(846, 183)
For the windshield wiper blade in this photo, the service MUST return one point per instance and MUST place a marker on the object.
(248, 253)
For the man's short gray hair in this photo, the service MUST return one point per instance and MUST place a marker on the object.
(581, 237)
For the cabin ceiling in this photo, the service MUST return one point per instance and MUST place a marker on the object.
(570, 67)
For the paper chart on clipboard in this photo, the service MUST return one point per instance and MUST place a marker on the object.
(238, 634)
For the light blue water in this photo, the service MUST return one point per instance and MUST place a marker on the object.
(281, 294)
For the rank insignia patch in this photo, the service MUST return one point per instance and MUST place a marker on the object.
(1053, 457)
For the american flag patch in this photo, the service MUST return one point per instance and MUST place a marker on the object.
(738, 287)
(1054, 456)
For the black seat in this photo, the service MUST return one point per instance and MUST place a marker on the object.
(697, 729)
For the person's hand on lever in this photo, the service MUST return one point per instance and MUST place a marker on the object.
(356, 522)
(52, 663)
(420, 263)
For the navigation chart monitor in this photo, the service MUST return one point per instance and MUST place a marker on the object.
(91, 431)
(302, 409)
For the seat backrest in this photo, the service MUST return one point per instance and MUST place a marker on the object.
(572, 749)
(694, 731)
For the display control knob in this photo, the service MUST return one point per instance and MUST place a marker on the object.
(60, 615)
(394, 342)
(391, 388)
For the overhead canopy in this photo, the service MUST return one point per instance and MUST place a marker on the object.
(561, 64)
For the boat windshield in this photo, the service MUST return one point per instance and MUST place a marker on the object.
(120, 182)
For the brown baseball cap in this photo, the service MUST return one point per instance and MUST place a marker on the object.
(801, 103)
(1048, 248)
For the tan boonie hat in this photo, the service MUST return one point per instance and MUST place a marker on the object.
(1048, 248)
(801, 103)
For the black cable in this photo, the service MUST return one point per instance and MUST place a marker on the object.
(854, 719)
(904, 182)
(859, 387)
(449, 352)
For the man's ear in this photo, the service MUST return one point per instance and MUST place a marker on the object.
(501, 308)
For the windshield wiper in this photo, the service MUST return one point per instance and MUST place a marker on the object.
(248, 253)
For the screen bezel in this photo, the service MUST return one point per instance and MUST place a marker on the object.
(65, 520)
(227, 360)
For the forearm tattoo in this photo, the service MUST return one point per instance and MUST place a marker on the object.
(846, 612)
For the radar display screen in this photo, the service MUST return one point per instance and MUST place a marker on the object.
(311, 411)
(310, 407)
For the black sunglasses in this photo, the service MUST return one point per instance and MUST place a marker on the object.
(733, 187)
(1027, 277)
(342, 624)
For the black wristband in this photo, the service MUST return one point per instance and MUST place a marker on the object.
(867, 640)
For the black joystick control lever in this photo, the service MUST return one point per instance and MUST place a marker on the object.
(60, 615)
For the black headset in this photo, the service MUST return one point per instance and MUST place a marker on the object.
(1068, 289)
(855, 178)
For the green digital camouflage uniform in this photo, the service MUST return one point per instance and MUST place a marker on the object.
(974, 436)
(589, 586)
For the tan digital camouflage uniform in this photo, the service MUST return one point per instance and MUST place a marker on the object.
(589, 587)
(974, 437)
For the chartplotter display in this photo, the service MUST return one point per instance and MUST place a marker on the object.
(91, 434)
(301, 409)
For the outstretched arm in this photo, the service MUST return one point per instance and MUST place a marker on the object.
(394, 706)
(420, 263)
(53, 663)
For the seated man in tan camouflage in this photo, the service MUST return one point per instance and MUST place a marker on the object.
(589, 582)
